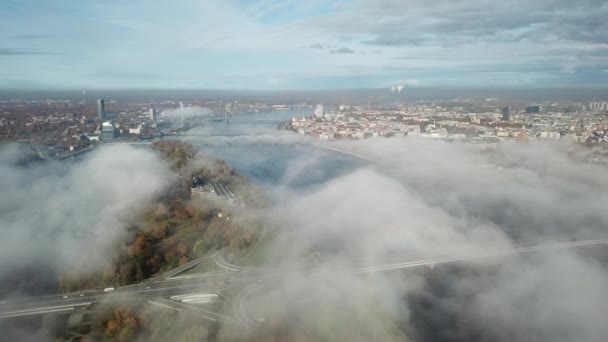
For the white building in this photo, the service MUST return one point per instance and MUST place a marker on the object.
(136, 130)
(152, 114)
(319, 111)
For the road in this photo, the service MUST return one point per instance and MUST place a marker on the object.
(220, 260)
(154, 289)
(206, 283)
(482, 255)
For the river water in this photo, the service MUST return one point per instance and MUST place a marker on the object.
(283, 165)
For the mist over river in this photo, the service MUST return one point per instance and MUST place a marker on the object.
(291, 166)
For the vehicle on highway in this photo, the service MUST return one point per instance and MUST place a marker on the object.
(82, 295)
(64, 297)
(108, 289)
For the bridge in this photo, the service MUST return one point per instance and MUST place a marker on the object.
(242, 139)
(245, 120)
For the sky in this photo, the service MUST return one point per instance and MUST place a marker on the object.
(291, 45)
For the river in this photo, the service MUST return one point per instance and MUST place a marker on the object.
(281, 165)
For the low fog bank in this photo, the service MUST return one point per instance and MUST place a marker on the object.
(424, 199)
(186, 113)
(55, 216)
(526, 190)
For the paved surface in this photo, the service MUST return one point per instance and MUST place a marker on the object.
(154, 289)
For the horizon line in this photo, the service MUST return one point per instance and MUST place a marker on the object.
(409, 87)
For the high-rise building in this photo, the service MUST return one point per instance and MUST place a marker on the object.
(101, 109)
(532, 109)
(506, 114)
(108, 131)
(598, 106)
(319, 111)
(152, 114)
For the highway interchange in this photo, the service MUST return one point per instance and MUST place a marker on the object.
(244, 281)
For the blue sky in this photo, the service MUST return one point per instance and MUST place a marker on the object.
(312, 44)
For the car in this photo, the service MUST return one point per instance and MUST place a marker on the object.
(108, 289)
(147, 287)
(82, 295)
(64, 297)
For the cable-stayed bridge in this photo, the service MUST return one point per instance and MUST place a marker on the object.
(242, 139)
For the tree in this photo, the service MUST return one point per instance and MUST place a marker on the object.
(197, 249)
(236, 243)
(125, 273)
(140, 274)
(160, 231)
(112, 328)
(181, 249)
(183, 260)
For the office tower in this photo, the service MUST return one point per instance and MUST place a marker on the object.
(319, 111)
(506, 114)
(101, 109)
(152, 114)
(532, 109)
(108, 131)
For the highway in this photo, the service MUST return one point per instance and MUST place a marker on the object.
(482, 256)
(205, 283)
(236, 277)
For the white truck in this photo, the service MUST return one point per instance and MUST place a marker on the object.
(108, 289)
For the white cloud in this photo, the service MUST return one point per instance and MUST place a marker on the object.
(186, 113)
(59, 215)
(426, 198)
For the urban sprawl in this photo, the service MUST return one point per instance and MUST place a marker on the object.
(61, 128)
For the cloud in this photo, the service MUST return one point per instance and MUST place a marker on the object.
(125, 75)
(416, 200)
(33, 36)
(316, 46)
(395, 40)
(186, 113)
(422, 199)
(23, 52)
(52, 214)
(535, 35)
(343, 50)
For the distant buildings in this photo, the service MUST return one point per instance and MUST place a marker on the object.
(598, 106)
(319, 111)
(506, 114)
(108, 131)
(532, 109)
(101, 109)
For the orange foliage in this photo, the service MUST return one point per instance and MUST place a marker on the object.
(140, 247)
(181, 249)
(183, 260)
(181, 213)
(112, 328)
(160, 231)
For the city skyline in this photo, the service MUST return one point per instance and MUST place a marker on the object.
(289, 45)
